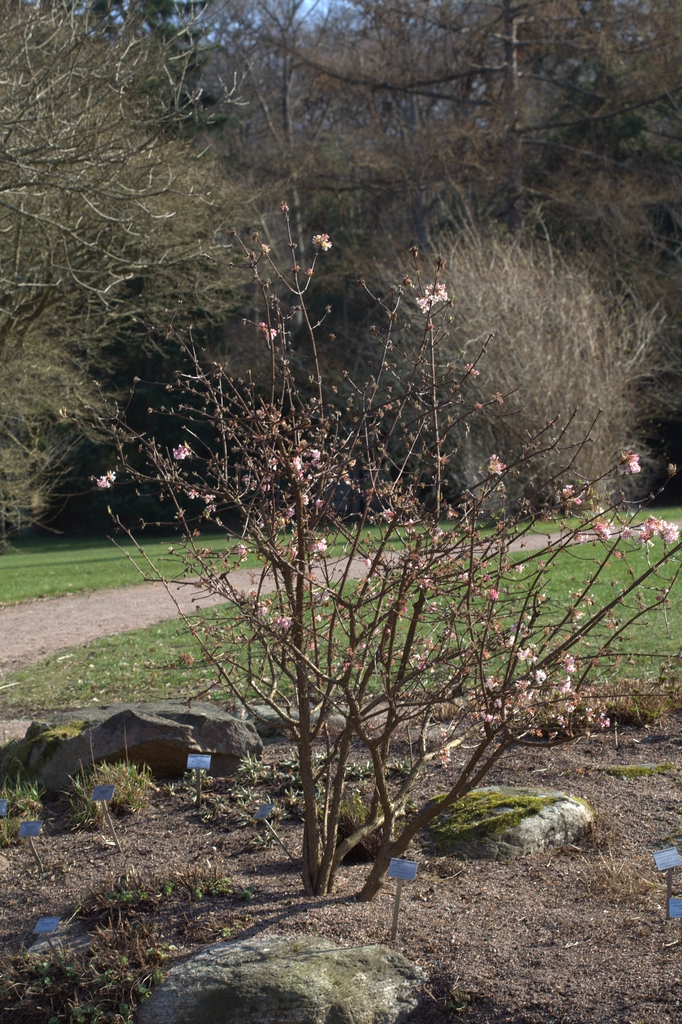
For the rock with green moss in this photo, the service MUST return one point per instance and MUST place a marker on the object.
(286, 980)
(159, 734)
(638, 771)
(505, 822)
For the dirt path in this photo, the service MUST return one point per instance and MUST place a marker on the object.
(37, 629)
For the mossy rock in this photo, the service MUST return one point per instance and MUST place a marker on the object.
(157, 734)
(505, 822)
(638, 771)
(286, 980)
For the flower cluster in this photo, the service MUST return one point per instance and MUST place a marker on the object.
(107, 480)
(496, 465)
(432, 293)
(654, 527)
(322, 241)
(269, 332)
(183, 451)
(569, 495)
(630, 461)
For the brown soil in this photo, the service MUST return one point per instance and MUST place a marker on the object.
(573, 936)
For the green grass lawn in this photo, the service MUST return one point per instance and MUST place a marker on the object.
(146, 664)
(50, 567)
(164, 660)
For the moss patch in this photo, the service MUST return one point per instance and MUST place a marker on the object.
(484, 815)
(637, 771)
(38, 746)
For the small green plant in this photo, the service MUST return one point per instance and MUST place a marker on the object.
(116, 976)
(130, 795)
(252, 770)
(23, 798)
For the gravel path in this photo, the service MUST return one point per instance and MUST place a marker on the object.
(34, 630)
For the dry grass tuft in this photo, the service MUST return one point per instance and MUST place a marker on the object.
(619, 879)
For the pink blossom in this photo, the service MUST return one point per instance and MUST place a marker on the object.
(193, 494)
(627, 533)
(569, 663)
(582, 538)
(319, 503)
(290, 513)
(322, 241)
(630, 461)
(496, 465)
(315, 455)
(107, 480)
(493, 594)
(488, 718)
(603, 722)
(368, 563)
(242, 551)
(318, 547)
(569, 495)
(284, 622)
(668, 532)
(298, 466)
(387, 515)
(269, 332)
(183, 451)
(602, 529)
(473, 372)
(567, 687)
(432, 294)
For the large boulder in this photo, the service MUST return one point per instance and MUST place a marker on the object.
(159, 734)
(505, 822)
(286, 980)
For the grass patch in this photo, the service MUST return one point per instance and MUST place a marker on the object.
(483, 815)
(157, 663)
(638, 771)
(24, 803)
(51, 567)
(130, 795)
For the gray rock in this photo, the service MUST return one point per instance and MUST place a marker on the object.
(268, 722)
(159, 734)
(505, 822)
(286, 980)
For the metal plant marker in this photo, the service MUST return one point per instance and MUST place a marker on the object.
(403, 871)
(262, 814)
(198, 762)
(666, 860)
(29, 830)
(103, 794)
(47, 926)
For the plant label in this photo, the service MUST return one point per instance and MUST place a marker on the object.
(668, 858)
(3, 808)
(404, 869)
(675, 908)
(102, 793)
(264, 811)
(46, 926)
(199, 761)
(30, 829)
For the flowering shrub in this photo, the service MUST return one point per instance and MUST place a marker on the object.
(380, 599)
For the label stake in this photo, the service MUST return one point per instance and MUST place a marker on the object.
(35, 854)
(262, 814)
(102, 794)
(197, 762)
(27, 830)
(396, 906)
(403, 871)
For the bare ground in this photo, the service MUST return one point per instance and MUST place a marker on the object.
(573, 936)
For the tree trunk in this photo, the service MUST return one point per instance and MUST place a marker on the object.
(513, 142)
